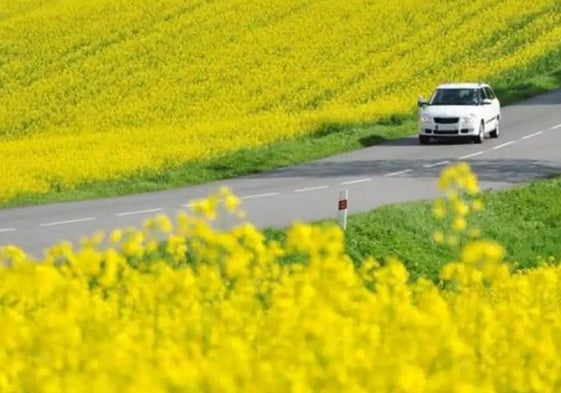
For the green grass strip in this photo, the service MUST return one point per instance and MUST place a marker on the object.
(526, 220)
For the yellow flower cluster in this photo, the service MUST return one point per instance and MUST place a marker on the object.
(104, 89)
(461, 190)
(181, 307)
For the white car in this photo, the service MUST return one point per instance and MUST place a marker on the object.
(460, 110)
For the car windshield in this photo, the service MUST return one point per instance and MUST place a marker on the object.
(455, 97)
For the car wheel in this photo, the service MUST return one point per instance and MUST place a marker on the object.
(496, 131)
(423, 139)
(479, 138)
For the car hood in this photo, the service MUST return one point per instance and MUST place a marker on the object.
(447, 111)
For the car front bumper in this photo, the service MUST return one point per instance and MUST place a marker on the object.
(459, 129)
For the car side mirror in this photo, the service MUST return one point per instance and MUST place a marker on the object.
(421, 102)
(487, 101)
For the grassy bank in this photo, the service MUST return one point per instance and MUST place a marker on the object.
(328, 140)
(525, 219)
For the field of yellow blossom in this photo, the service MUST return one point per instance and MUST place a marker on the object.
(207, 311)
(115, 89)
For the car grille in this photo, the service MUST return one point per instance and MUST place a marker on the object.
(446, 120)
(448, 132)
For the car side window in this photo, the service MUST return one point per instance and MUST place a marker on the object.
(482, 95)
(490, 93)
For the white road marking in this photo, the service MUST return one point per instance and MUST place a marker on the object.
(477, 153)
(503, 145)
(436, 164)
(260, 195)
(398, 173)
(49, 224)
(158, 209)
(7, 229)
(345, 183)
(555, 127)
(311, 189)
(532, 135)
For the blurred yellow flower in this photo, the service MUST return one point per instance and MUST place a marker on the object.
(459, 224)
(477, 205)
(192, 309)
(439, 209)
(438, 237)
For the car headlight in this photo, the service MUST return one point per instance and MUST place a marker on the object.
(469, 118)
(425, 118)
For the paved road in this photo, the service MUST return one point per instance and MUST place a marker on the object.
(529, 147)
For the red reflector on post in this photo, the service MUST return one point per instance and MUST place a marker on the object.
(342, 212)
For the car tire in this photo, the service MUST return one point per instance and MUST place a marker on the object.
(423, 139)
(481, 136)
(495, 133)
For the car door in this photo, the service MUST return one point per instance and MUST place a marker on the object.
(488, 111)
(496, 104)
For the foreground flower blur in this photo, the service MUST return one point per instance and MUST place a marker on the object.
(209, 311)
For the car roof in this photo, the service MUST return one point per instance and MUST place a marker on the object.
(465, 85)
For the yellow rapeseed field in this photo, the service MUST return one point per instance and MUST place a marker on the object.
(96, 90)
(231, 312)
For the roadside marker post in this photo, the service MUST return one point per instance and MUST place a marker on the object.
(343, 208)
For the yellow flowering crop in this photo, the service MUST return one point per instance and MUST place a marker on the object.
(180, 307)
(105, 89)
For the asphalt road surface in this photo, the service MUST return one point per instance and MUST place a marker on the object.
(528, 147)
